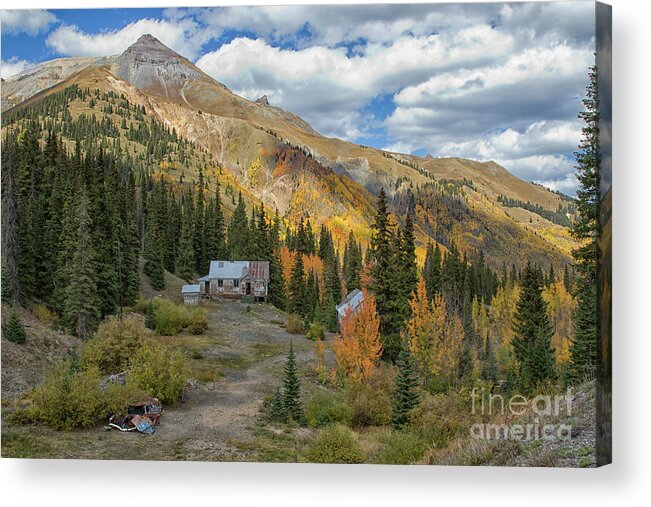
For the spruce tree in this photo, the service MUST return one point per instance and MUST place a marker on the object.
(238, 232)
(406, 394)
(82, 307)
(432, 271)
(533, 332)
(296, 292)
(186, 260)
(586, 230)
(10, 222)
(13, 329)
(387, 284)
(292, 389)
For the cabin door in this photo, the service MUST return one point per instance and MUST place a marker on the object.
(248, 288)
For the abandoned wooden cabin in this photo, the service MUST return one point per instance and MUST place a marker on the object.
(191, 294)
(349, 305)
(248, 280)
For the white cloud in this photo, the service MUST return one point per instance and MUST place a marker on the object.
(328, 87)
(13, 66)
(30, 22)
(184, 36)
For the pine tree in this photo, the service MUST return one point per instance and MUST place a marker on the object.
(386, 280)
(432, 270)
(81, 307)
(10, 222)
(292, 389)
(406, 395)
(277, 408)
(586, 229)
(296, 292)
(276, 289)
(533, 332)
(186, 260)
(13, 329)
(199, 229)
(238, 232)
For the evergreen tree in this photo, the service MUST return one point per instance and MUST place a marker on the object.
(238, 232)
(13, 329)
(277, 408)
(292, 389)
(406, 394)
(81, 307)
(432, 271)
(186, 260)
(276, 289)
(10, 222)
(408, 267)
(199, 229)
(296, 293)
(386, 284)
(352, 263)
(533, 332)
(586, 230)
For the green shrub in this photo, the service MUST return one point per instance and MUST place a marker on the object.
(170, 319)
(371, 400)
(326, 408)
(118, 397)
(69, 398)
(442, 417)
(403, 448)
(335, 444)
(294, 324)
(13, 330)
(115, 342)
(198, 322)
(316, 331)
(159, 371)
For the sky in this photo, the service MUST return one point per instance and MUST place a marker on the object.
(495, 81)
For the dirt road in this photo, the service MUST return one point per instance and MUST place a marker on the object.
(246, 347)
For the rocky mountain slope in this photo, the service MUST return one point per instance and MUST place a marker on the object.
(277, 158)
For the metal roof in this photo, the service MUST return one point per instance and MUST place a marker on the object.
(259, 270)
(352, 301)
(190, 289)
(235, 270)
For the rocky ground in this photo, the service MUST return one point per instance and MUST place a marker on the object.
(239, 361)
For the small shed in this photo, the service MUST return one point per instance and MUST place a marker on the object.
(191, 294)
(349, 304)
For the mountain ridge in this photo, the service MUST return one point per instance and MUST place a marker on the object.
(278, 157)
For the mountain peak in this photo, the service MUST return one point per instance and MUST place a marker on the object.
(150, 45)
(263, 101)
(151, 66)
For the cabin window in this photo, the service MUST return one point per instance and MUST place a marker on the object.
(221, 264)
(236, 283)
(220, 283)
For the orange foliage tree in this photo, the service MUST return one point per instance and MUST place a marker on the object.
(357, 349)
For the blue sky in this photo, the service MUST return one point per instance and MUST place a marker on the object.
(494, 81)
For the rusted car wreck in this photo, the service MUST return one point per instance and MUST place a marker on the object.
(142, 417)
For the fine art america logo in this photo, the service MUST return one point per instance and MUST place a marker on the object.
(521, 418)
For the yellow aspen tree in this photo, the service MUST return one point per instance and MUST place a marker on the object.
(425, 328)
(560, 308)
